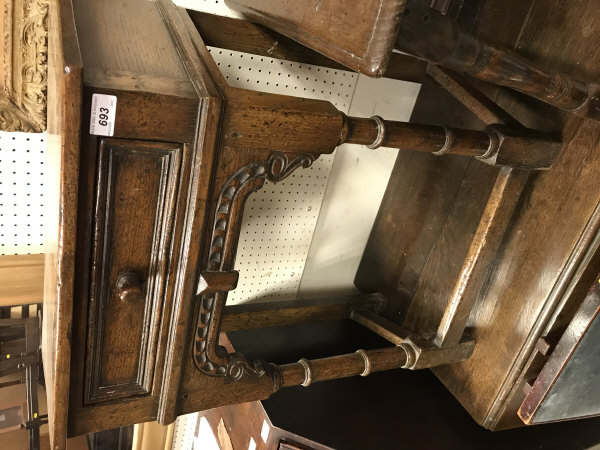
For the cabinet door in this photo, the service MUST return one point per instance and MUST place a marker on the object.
(136, 191)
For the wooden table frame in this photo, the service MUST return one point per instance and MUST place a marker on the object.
(240, 157)
(247, 176)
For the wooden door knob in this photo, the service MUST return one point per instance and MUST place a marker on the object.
(129, 287)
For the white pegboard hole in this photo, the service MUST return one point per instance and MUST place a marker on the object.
(277, 76)
(22, 190)
(185, 432)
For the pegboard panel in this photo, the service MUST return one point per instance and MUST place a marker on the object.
(184, 432)
(357, 183)
(22, 177)
(280, 219)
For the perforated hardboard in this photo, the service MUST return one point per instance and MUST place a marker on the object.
(22, 178)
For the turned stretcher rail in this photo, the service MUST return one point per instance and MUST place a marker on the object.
(362, 362)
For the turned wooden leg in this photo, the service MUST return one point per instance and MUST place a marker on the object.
(412, 354)
(429, 34)
(498, 145)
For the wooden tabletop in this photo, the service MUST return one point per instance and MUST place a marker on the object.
(368, 27)
(64, 118)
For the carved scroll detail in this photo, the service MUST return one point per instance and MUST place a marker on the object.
(25, 59)
(210, 358)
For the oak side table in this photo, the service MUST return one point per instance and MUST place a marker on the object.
(155, 156)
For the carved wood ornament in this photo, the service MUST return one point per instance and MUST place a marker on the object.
(210, 358)
(24, 61)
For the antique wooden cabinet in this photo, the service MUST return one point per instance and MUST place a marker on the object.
(120, 198)
(154, 156)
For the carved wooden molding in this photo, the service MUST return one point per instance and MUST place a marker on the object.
(210, 358)
(24, 58)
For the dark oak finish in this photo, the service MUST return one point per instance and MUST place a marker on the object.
(362, 37)
(243, 36)
(385, 409)
(362, 362)
(159, 212)
(497, 145)
(367, 42)
(436, 37)
(156, 101)
(262, 315)
(135, 201)
(548, 244)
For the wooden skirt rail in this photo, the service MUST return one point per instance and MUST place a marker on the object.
(272, 314)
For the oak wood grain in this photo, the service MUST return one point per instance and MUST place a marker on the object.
(208, 83)
(64, 116)
(278, 313)
(135, 202)
(22, 279)
(243, 36)
(159, 104)
(367, 43)
(147, 49)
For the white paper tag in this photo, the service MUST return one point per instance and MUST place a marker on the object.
(102, 120)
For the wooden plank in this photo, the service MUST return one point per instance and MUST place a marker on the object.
(380, 325)
(548, 239)
(260, 315)
(493, 223)
(22, 279)
(421, 190)
(64, 118)
(244, 36)
(450, 251)
(368, 28)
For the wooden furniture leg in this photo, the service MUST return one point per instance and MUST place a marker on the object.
(429, 34)
(514, 148)
(362, 36)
